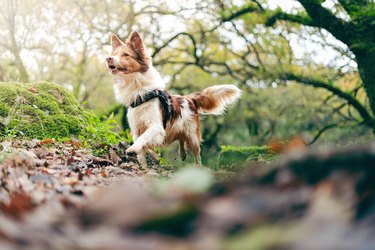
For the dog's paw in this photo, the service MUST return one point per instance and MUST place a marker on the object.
(133, 150)
(130, 154)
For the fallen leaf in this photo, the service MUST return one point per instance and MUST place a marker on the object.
(46, 141)
(20, 203)
(33, 90)
(103, 173)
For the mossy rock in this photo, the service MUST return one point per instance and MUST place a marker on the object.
(235, 158)
(40, 110)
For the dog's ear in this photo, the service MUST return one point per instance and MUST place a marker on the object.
(115, 41)
(136, 41)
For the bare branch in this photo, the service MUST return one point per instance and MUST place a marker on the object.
(325, 19)
(321, 131)
(157, 50)
(252, 46)
(244, 11)
(361, 109)
(296, 18)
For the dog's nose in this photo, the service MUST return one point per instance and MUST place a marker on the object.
(109, 59)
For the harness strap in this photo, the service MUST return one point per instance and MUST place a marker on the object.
(164, 99)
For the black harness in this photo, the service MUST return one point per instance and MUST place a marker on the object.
(164, 99)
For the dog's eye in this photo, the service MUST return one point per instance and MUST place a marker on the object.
(125, 54)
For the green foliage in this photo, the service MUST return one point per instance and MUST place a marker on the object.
(100, 132)
(234, 158)
(46, 110)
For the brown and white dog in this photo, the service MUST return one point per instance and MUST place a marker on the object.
(135, 78)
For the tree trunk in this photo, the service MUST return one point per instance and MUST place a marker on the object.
(24, 76)
(366, 65)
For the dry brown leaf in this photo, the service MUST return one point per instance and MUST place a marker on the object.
(76, 144)
(20, 203)
(33, 90)
(275, 146)
(103, 173)
(47, 141)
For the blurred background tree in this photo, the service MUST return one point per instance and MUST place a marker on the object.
(306, 66)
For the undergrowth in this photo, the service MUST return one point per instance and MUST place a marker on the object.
(234, 158)
(45, 110)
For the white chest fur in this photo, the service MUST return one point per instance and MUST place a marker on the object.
(128, 86)
(144, 116)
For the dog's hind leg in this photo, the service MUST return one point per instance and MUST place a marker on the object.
(183, 151)
(194, 145)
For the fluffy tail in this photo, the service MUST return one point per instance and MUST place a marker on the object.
(215, 99)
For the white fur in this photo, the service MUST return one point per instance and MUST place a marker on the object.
(220, 93)
(180, 124)
(128, 86)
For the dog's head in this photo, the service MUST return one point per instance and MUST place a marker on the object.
(129, 56)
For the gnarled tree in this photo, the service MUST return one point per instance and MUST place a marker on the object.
(349, 21)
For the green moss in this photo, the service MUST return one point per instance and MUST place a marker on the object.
(46, 110)
(234, 158)
(4, 110)
(8, 95)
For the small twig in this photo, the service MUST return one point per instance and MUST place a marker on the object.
(321, 131)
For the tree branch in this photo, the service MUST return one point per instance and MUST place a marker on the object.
(368, 120)
(296, 18)
(323, 18)
(321, 131)
(249, 9)
(255, 50)
(157, 50)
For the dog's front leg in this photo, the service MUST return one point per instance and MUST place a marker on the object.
(152, 137)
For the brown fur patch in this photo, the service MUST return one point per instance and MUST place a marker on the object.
(192, 104)
(214, 99)
(176, 105)
(140, 57)
(132, 54)
(208, 102)
(141, 128)
(173, 135)
(135, 42)
(194, 107)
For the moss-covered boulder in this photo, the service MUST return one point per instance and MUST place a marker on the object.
(41, 110)
(234, 158)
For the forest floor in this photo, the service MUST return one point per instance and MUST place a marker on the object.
(61, 196)
(43, 182)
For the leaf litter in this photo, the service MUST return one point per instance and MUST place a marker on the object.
(60, 196)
